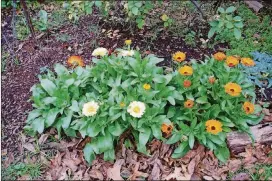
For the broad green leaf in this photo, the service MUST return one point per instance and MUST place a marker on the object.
(239, 25)
(230, 9)
(181, 150)
(109, 155)
(221, 10)
(38, 125)
(171, 100)
(156, 130)
(33, 114)
(93, 130)
(144, 135)
(48, 86)
(60, 69)
(211, 32)
(116, 129)
(174, 138)
(229, 25)
(191, 140)
(202, 100)
(89, 154)
(135, 10)
(66, 120)
(105, 142)
(237, 18)
(222, 153)
(74, 107)
(51, 116)
(237, 33)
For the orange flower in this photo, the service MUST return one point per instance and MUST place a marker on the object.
(232, 61)
(248, 107)
(233, 89)
(213, 126)
(75, 61)
(247, 62)
(165, 128)
(187, 83)
(186, 70)
(189, 103)
(212, 79)
(179, 56)
(219, 56)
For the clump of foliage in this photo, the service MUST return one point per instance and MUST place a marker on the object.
(125, 92)
(256, 34)
(14, 171)
(261, 73)
(226, 22)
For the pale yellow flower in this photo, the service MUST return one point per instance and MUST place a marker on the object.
(90, 108)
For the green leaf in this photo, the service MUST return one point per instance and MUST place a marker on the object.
(156, 130)
(105, 142)
(230, 9)
(116, 116)
(202, 100)
(144, 135)
(159, 79)
(254, 120)
(171, 112)
(211, 32)
(98, 3)
(174, 138)
(38, 125)
(116, 129)
(213, 23)
(48, 86)
(33, 114)
(191, 140)
(237, 18)
(138, 4)
(60, 69)
(171, 100)
(51, 116)
(109, 155)
(181, 150)
(222, 153)
(93, 130)
(237, 33)
(135, 10)
(89, 153)
(229, 25)
(66, 120)
(221, 10)
(214, 111)
(74, 107)
(239, 25)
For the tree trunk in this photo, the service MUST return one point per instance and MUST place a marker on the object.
(262, 134)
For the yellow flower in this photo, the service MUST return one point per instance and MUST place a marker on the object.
(247, 62)
(165, 128)
(219, 56)
(212, 79)
(189, 104)
(146, 86)
(75, 61)
(186, 70)
(122, 104)
(233, 89)
(164, 17)
(213, 126)
(128, 42)
(232, 61)
(187, 83)
(179, 56)
(136, 109)
(100, 52)
(248, 107)
(90, 108)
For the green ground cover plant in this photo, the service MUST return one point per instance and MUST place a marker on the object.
(124, 91)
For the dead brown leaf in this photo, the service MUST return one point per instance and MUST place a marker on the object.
(114, 173)
(43, 138)
(155, 173)
(241, 176)
(178, 175)
(234, 165)
(137, 173)
(97, 174)
(9, 160)
(29, 147)
(70, 164)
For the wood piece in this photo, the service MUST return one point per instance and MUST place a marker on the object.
(237, 141)
(28, 19)
(255, 5)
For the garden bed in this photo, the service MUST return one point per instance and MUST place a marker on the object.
(54, 47)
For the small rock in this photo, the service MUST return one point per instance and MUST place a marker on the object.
(241, 176)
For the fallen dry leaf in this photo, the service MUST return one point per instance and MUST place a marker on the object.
(43, 138)
(177, 174)
(96, 174)
(241, 176)
(155, 173)
(114, 173)
(29, 147)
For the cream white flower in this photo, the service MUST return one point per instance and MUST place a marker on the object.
(90, 108)
(127, 52)
(136, 109)
(100, 52)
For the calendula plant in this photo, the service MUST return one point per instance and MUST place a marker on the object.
(218, 98)
(226, 21)
(124, 92)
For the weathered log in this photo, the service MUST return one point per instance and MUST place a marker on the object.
(262, 134)
(255, 5)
